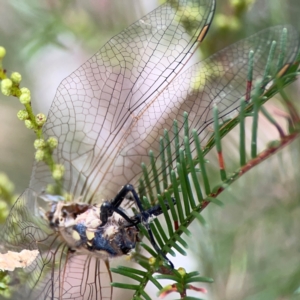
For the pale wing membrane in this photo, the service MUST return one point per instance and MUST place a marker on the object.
(95, 107)
(220, 79)
(56, 273)
(86, 278)
(92, 109)
(72, 276)
(24, 230)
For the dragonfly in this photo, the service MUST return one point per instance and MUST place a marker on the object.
(106, 116)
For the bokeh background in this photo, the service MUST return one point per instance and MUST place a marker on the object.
(251, 245)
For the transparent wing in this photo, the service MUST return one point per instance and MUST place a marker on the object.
(221, 79)
(96, 106)
(56, 273)
(102, 168)
(92, 109)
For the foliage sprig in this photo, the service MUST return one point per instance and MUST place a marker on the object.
(10, 86)
(189, 180)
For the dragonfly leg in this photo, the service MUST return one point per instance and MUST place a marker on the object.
(109, 207)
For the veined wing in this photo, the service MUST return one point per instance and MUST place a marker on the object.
(221, 79)
(110, 112)
(96, 106)
(92, 109)
(56, 273)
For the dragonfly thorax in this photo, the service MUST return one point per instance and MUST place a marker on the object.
(80, 226)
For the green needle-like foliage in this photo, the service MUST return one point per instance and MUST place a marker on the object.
(188, 182)
(185, 177)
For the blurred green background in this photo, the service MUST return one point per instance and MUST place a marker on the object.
(250, 246)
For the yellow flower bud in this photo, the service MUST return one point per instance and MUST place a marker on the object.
(52, 142)
(22, 115)
(16, 77)
(25, 98)
(6, 85)
(2, 52)
(182, 271)
(25, 90)
(40, 119)
(152, 261)
(58, 172)
(68, 197)
(4, 210)
(50, 189)
(28, 124)
(39, 144)
(39, 155)
(5, 182)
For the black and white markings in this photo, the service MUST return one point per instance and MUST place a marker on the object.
(102, 229)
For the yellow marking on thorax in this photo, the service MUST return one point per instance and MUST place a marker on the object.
(90, 235)
(75, 235)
